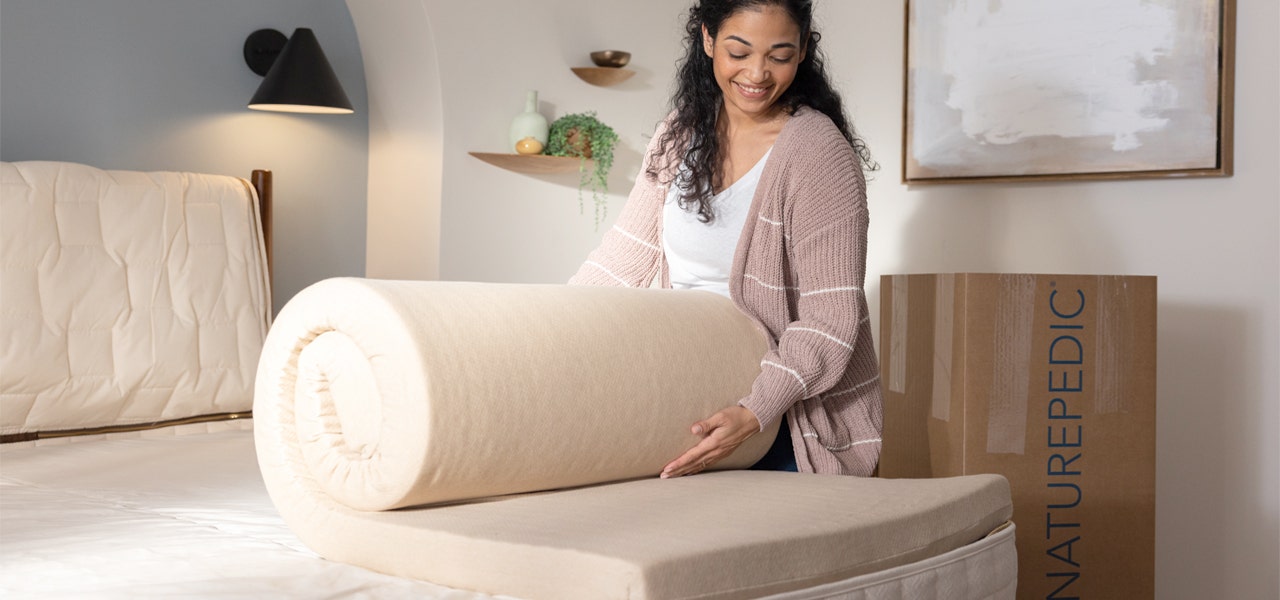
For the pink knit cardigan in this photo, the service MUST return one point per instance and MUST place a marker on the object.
(798, 272)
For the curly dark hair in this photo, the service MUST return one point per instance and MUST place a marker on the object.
(697, 101)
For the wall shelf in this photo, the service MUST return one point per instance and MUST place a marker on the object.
(603, 76)
(532, 164)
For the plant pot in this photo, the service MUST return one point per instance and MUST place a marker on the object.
(579, 145)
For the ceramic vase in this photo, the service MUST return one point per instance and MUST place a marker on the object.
(530, 123)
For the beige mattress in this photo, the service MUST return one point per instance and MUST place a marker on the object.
(375, 398)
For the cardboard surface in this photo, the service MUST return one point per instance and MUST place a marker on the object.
(1049, 380)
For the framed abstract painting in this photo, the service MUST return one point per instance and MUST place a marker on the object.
(999, 90)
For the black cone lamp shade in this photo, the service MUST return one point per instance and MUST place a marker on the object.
(300, 78)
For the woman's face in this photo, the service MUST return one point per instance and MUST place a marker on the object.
(755, 56)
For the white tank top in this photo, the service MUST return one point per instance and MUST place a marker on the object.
(700, 255)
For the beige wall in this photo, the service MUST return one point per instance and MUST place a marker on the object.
(1212, 242)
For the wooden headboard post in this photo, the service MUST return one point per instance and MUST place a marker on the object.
(261, 181)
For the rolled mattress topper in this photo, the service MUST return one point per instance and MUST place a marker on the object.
(386, 394)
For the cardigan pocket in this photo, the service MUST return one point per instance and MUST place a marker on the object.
(830, 431)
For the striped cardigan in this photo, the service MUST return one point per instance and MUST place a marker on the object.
(798, 272)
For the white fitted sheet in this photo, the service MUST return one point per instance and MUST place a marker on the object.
(164, 515)
(183, 511)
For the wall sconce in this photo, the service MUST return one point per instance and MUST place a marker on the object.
(297, 76)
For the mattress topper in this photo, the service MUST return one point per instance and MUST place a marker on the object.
(731, 534)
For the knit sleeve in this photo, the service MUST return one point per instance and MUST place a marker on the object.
(827, 225)
(630, 252)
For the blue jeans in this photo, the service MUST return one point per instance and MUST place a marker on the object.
(781, 456)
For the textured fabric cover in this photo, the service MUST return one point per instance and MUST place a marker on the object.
(126, 297)
(984, 570)
(387, 394)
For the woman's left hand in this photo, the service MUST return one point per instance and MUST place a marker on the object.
(721, 433)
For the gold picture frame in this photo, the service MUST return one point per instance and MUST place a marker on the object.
(1027, 90)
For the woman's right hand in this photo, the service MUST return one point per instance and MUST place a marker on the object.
(722, 433)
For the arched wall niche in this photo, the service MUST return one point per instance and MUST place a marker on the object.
(434, 211)
(406, 120)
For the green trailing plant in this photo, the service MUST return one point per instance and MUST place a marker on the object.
(584, 136)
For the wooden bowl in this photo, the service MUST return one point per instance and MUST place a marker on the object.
(611, 58)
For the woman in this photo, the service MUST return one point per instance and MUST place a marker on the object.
(753, 187)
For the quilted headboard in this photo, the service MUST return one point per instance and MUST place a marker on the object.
(126, 298)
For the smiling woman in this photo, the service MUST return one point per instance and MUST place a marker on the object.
(753, 188)
(764, 59)
(754, 59)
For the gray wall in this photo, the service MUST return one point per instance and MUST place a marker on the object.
(162, 85)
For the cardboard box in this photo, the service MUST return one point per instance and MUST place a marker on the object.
(1049, 380)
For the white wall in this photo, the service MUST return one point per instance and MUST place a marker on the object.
(1214, 243)
(162, 85)
(504, 226)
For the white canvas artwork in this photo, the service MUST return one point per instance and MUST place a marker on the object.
(1000, 88)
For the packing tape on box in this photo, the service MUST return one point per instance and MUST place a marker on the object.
(898, 337)
(943, 324)
(1115, 333)
(1011, 365)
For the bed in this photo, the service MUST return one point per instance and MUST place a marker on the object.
(109, 490)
